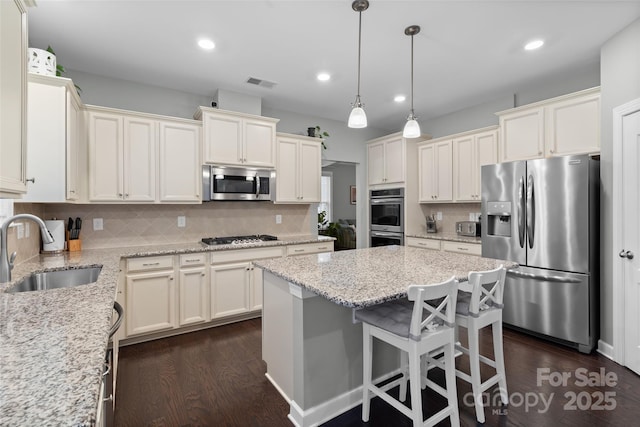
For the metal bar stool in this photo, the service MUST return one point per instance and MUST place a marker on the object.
(416, 328)
(480, 305)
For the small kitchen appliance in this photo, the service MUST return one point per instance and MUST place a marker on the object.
(468, 228)
(236, 183)
(56, 228)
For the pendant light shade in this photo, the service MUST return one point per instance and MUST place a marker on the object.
(358, 118)
(411, 128)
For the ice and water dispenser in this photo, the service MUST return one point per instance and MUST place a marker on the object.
(499, 219)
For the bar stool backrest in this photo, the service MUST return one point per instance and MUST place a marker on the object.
(439, 302)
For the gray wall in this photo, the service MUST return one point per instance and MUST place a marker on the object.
(344, 176)
(117, 93)
(620, 70)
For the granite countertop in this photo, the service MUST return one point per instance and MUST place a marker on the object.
(364, 277)
(52, 343)
(447, 235)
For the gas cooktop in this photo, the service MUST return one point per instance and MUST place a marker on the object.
(238, 240)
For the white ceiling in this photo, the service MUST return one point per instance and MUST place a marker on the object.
(468, 52)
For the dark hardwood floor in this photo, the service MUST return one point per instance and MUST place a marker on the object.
(216, 377)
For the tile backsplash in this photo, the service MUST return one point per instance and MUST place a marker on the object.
(132, 225)
(451, 213)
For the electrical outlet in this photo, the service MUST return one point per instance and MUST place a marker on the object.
(278, 219)
(182, 221)
(472, 216)
(20, 231)
(98, 224)
(27, 230)
(439, 216)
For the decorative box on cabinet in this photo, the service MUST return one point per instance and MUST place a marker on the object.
(54, 130)
(435, 172)
(232, 138)
(560, 126)
(13, 102)
(298, 170)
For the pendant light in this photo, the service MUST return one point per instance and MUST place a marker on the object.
(411, 128)
(358, 118)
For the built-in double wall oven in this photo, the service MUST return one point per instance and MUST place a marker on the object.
(386, 217)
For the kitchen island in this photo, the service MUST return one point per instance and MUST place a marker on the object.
(312, 345)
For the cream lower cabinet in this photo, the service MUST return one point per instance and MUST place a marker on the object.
(193, 285)
(298, 170)
(435, 172)
(445, 245)
(235, 284)
(150, 295)
(230, 291)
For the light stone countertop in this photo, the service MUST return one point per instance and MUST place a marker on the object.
(53, 342)
(447, 235)
(364, 277)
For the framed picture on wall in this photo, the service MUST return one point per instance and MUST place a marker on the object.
(352, 194)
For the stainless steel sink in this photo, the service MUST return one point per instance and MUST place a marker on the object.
(57, 279)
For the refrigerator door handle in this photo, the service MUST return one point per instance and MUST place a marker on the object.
(531, 211)
(521, 208)
(546, 278)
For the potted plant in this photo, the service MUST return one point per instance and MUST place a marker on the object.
(316, 132)
(59, 68)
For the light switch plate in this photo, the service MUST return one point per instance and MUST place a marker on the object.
(20, 231)
(97, 224)
(182, 221)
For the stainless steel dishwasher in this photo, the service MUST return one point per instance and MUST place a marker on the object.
(106, 401)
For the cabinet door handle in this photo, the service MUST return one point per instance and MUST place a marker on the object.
(31, 180)
(171, 278)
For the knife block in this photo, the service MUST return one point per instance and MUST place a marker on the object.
(73, 245)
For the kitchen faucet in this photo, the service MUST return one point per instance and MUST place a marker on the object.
(6, 263)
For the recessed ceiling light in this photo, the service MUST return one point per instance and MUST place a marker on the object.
(323, 77)
(206, 44)
(400, 98)
(534, 44)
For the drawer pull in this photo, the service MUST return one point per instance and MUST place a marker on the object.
(149, 264)
(322, 248)
(191, 260)
(298, 250)
(463, 249)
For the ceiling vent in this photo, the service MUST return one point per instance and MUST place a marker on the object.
(261, 83)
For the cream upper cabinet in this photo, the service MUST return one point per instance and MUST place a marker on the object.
(435, 172)
(232, 138)
(54, 127)
(470, 152)
(122, 158)
(180, 173)
(568, 124)
(573, 125)
(13, 98)
(386, 161)
(298, 170)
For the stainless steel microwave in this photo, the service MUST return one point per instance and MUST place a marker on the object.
(236, 183)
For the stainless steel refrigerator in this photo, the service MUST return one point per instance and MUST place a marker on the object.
(544, 215)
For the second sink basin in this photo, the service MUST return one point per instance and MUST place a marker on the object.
(57, 279)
